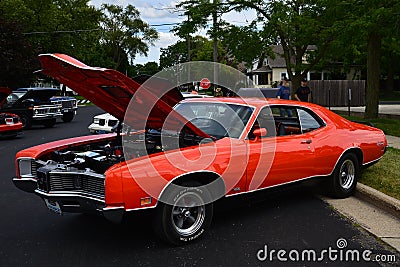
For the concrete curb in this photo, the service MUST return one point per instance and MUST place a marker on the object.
(378, 199)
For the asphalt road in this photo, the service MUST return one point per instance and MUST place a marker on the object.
(289, 219)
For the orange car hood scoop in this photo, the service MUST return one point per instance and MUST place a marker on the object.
(113, 91)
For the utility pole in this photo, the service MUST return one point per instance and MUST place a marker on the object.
(215, 41)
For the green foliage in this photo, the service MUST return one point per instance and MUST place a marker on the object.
(17, 57)
(125, 34)
(150, 68)
(107, 37)
(201, 49)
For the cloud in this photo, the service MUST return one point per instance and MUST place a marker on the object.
(166, 39)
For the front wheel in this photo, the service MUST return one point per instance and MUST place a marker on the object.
(343, 180)
(49, 123)
(185, 216)
(68, 117)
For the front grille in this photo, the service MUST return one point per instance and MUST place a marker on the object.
(102, 122)
(67, 104)
(46, 110)
(112, 123)
(76, 182)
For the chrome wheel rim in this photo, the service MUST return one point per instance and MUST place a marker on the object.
(347, 174)
(188, 214)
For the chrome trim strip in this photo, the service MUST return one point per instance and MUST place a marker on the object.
(259, 189)
(113, 208)
(67, 194)
(372, 161)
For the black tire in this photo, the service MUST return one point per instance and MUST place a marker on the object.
(178, 224)
(68, 117)
(342, 183)
(26, 121)
(49, 123)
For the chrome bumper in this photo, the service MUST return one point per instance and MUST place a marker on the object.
(74, 202)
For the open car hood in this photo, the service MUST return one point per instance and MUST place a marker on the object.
(112, 91)
(4, 92)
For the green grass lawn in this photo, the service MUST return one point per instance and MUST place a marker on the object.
(385, 175)
(388, 126)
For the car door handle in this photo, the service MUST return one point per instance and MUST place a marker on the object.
(308, 141)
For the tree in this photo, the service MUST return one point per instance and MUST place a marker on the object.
(149, 68)
(201, 50)
(125, 34)
(297, 25)
(58, 26)
(372, 22)
(17, 57)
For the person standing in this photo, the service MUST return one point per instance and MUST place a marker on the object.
(284, 93)
(303, 93)
(284, 90)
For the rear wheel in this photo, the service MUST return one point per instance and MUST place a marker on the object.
(26, 121)
(68, 117)
(185, 216)
(343, 180)
(49, 123)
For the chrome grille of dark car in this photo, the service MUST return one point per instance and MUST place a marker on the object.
(112, 123)
(45, 110)
(81, 183)
(67, 103)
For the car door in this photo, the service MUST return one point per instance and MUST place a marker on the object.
(286, 156)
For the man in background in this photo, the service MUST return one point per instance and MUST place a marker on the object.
(303, 93)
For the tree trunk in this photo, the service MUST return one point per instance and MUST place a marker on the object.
(373, 74)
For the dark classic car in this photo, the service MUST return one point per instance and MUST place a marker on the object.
(68, 104)
(190, 153)
(32, 105)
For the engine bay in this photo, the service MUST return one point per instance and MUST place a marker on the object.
(99, 156)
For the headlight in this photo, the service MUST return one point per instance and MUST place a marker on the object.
(95, 120)
(25, 167)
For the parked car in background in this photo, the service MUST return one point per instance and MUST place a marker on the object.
(187, 95)
(10, 125)
(258, 92)
(103, 123)
(247, 144)
(69, 106)
(32, 105)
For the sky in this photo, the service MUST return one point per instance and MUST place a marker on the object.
(156, 12)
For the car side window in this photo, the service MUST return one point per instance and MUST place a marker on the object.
(309, 121)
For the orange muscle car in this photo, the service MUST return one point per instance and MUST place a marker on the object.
(188, 153)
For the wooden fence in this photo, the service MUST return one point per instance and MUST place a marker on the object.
(335, 93)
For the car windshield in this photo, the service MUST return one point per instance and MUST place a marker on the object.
(216, 119)
(14, 97)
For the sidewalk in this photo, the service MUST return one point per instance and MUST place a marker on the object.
(374, 211)
(389, 111)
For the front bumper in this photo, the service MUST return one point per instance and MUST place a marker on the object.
(39, 117)
(74, 202)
